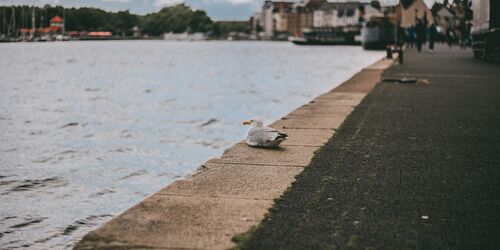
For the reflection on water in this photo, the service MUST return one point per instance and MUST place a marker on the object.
(91, 128)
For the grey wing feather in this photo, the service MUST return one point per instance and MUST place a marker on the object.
(265, 134)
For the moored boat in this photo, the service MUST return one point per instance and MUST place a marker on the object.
(377, 33)
(329, 36)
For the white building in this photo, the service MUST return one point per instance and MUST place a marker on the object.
(341, 14)
(274, 19)
(266, 20)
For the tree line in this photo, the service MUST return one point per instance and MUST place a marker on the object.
(177, 19)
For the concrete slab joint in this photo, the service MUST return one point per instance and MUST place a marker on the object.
(231, 193)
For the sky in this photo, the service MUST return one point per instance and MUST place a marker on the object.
(216, 9)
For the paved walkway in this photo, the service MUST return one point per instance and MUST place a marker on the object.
(415, 166)
(231, 193)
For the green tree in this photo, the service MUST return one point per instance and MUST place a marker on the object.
(177, 19)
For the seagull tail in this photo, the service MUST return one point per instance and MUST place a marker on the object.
(281, 136)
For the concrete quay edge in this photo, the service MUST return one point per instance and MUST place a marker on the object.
(228, 195)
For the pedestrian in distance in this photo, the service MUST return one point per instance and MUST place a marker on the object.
(449, 36)
(464, 35)
(410, 32)
(420, 32)
(432, 36)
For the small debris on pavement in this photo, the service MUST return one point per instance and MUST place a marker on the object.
(423, 82)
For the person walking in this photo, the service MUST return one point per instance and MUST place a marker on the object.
(464, 35)
(449, 36)
(410, 31)
(432, 36)
(420, 32)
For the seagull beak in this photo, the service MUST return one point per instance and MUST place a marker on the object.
(247, 123)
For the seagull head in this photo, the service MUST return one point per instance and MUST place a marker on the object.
(255, 122)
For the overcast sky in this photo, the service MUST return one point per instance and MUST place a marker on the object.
(216, 9)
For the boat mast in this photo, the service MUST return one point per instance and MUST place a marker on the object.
(41, 18)
(33, 25)
(64, 22)
(13, 22)
(23, 23)
(4, 23)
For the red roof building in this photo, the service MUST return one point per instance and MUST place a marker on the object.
(56, 22)
(100, 34)
(56, 25)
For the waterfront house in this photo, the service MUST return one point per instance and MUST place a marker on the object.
(56, 27)
(412, 10)
(57, 23)
(273, 19)
(302, 16)
(342, 14)
(280, 19)
(266, 20)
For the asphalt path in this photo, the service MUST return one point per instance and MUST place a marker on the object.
(415, 166)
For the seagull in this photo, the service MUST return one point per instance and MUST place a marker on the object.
(260, 136)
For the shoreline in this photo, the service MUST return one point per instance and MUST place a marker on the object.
(229, 194)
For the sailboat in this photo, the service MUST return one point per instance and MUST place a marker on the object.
(11, 34)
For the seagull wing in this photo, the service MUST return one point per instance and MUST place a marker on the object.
(261, 136)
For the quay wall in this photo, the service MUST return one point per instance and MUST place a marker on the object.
(228, 195)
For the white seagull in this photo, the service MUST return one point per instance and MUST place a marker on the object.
(260, 136)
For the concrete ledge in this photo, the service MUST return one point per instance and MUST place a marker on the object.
(307, 122)
(228, 195)
(235, 181)
(178, 222)
(364, 81)
(307, 137)
(282, 156)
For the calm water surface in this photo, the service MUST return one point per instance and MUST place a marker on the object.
(88, 129)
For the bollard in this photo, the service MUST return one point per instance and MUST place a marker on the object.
(400, 54)
(388, 51)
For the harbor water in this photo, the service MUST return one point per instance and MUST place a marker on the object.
(88, 129)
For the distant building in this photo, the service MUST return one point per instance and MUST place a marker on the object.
(413, 11)
(266, 20)
(280, 19)
(136, 31)
(272, 20)
(57, 23)
(100, 34)
(197, 36)
(281, 11)
(302, 16)
(56, 28)
(341, 14)
(444, 18)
